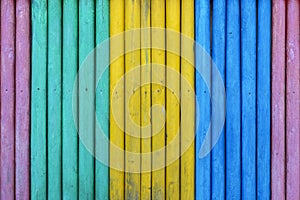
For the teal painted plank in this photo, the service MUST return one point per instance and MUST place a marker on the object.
(218, 56)
(38, 98)
(248, 63)
(263, 99)
(102, 101)
(86, 101)
(54, 99)
(69, 132)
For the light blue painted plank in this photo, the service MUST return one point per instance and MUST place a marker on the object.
(233, 102)
(248, 62)
(263, 99)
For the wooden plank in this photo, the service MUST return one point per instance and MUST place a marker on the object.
(202, 36)
(248, 63)
(102, 101)
(292, 101)
(278, 100)
(145, 100)
(172, 99)
(233, 102)
(158, 98)
(187, 164)
(69, 132)
(54, 99)
(132, 100)
(116, 71)
(38, 99)
(22, 155)
(7, 99)
(86, 101)
(218, 56)
(263, 99)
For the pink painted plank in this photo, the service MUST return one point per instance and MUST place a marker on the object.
(7, 165)
(278, 100)
(22, 98)
(292, 101)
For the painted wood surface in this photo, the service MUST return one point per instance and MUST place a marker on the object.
(218, 57)
(117, 27)
(86, 93)
(203, 115)
(233, 101)
(54, 61)
(8, 52)
(292, 100)
(158, 97)
(278, 100)
(263, 119)
(187, 114)
(102, 101)
(69, 72)
(22, 84)
(38, 99)
(248, 75)
(145, 99)
(132, 100)
(172, 99)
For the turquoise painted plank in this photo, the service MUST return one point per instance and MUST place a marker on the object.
(203, 110)
(38, 98)
(218, 56)
(54, 99)
(69, 132)
(86, 101)
(233, 101)
(263, 99)
(102, 101)
(248, 63)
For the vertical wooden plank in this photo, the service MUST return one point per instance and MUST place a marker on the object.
(132, 99)
(187, 164)
(22, 99)
(69, 132)
(218, 56)
(263, 99)
(7, 99)
(278, 100)
(102, 100)
(292, 101)
(86, 94)
(38, 99)
(145, 99)
(248, 62)
(54, 99)
(233, 102)
(158, 97)
(172, 101)
(116, 72)
(202, 36)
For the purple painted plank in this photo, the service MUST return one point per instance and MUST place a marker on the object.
(7, 99)
(22, 98)
(292, 101)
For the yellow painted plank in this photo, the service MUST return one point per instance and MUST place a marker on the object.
(173, 101)
(158, 98)
(145, 100)
(132, 99)
(116, 72)
(187, 102)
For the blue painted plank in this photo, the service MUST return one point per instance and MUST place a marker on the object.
(263, 99)
(233, 102)
(203, 111)
(102, 101)
(248, 62)
(218, 56)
